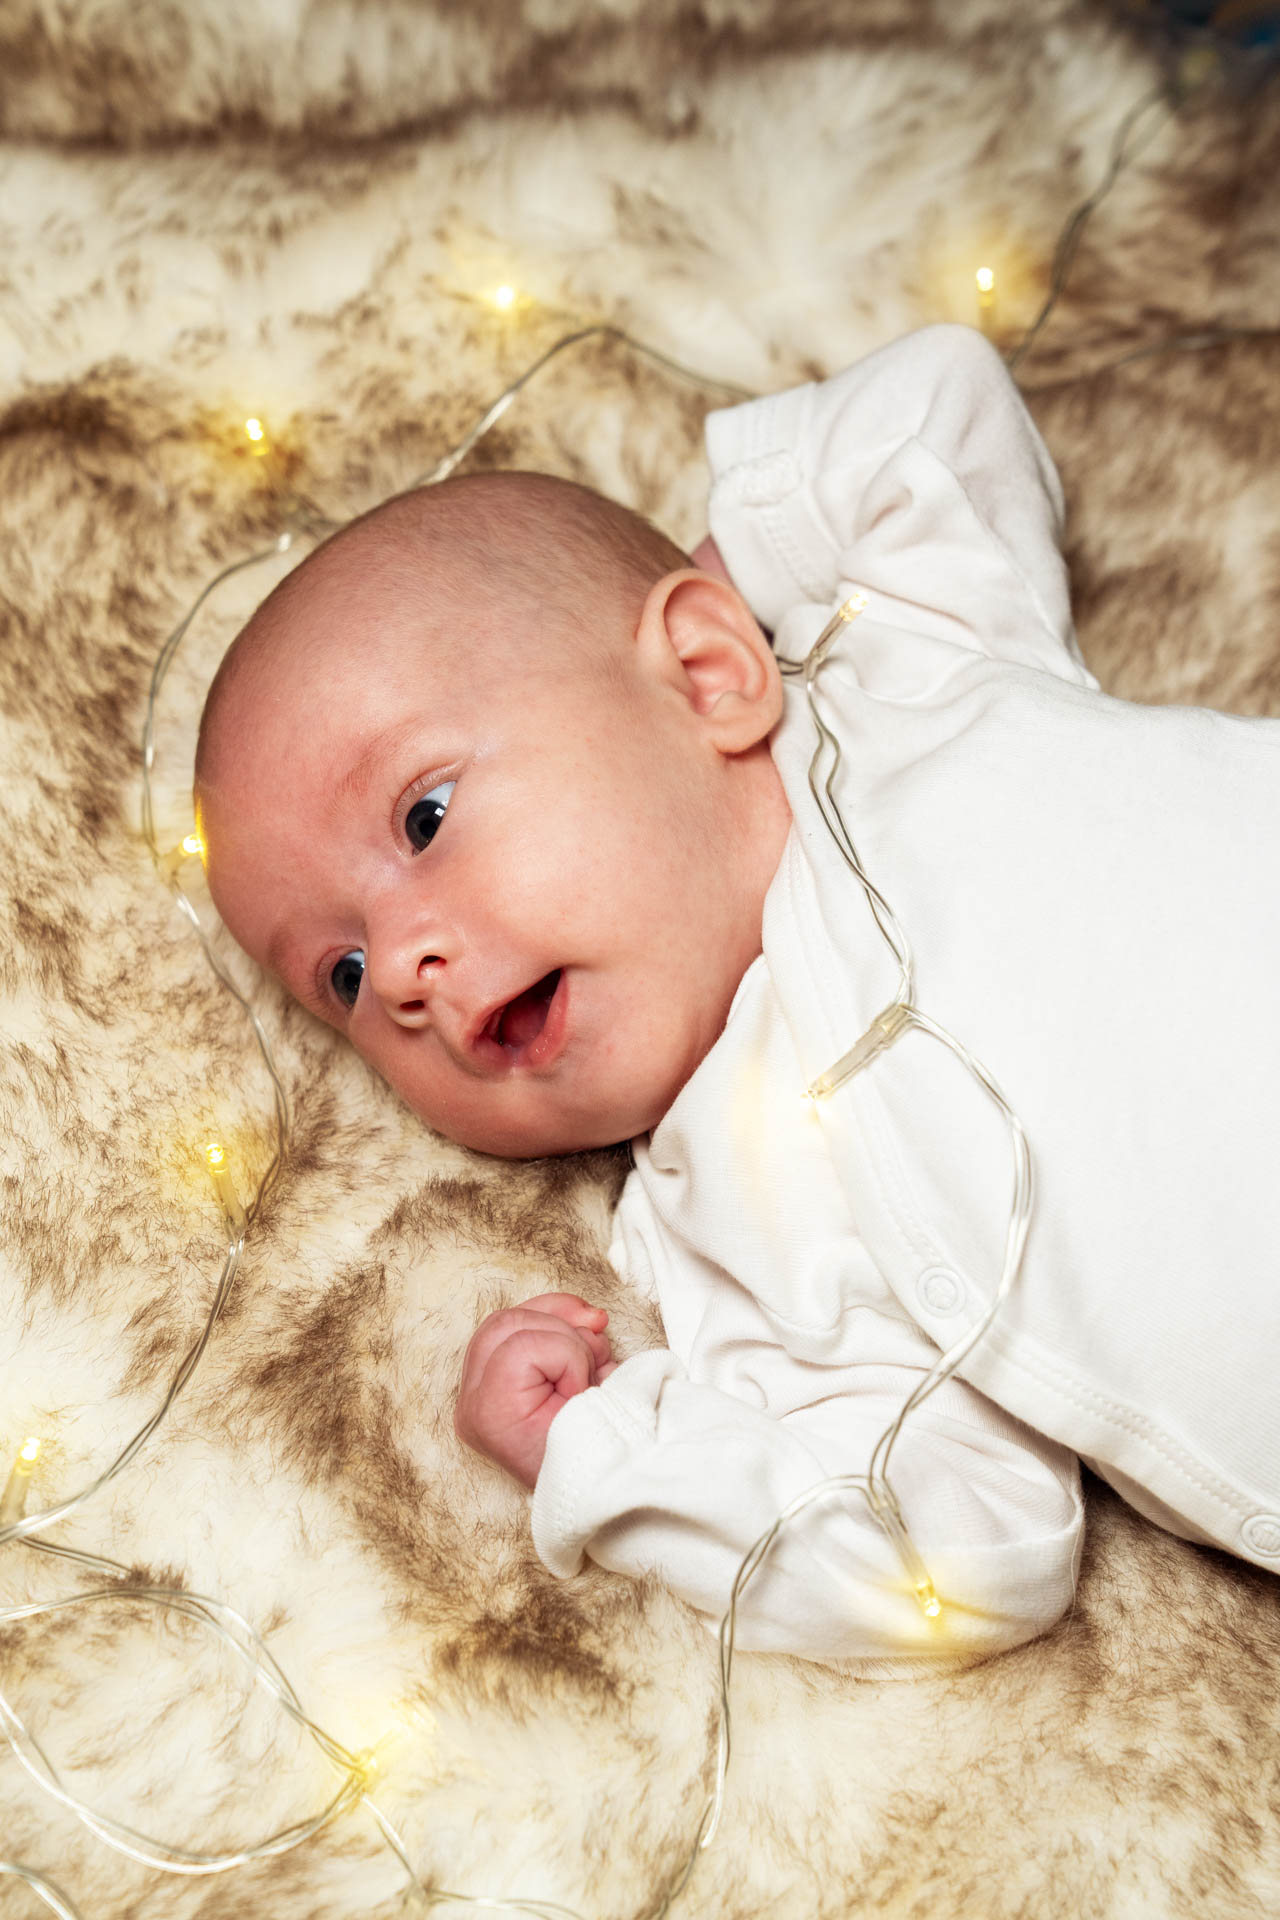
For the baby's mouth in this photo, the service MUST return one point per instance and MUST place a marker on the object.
(520, 1022)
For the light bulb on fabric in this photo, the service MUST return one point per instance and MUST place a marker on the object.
(13, 1500)
(224, 1186)
(504, 298)
(986, 280)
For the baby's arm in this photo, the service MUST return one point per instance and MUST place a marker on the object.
(657, 1473)
(671, 1476)
(917, 475)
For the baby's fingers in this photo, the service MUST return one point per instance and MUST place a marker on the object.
(569, 1307)
(529, 1377)
(536, 1365)
(499, 1327)
(579, 1314)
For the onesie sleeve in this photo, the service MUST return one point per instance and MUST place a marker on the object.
(916, 475)
(654, 1473)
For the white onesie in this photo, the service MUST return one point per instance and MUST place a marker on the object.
(1092, 892)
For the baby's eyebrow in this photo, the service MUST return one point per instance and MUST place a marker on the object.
(354, 783)
(279, 947)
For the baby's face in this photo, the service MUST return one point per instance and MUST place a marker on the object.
(511, 883)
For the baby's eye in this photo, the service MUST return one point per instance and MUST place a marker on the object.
(347, 975)
(425, 815)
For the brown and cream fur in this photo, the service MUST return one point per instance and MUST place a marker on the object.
(292, 211)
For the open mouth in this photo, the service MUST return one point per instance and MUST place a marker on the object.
(521, 1021)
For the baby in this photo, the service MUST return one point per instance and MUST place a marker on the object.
(505, 789)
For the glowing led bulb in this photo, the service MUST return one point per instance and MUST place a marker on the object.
(14, 1498)
(504, 298)
(255, 430)
(255, 433)
(215, 1158)
(883, 1031)
(926, 1594)
(191, 845)
(986, 280)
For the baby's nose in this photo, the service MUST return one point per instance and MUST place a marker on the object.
(405, 969)
(408, 1000)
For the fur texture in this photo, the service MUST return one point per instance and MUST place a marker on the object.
(293, 210)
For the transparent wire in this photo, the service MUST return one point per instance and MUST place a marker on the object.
(895, 938)
(137, 1846)
(164, 660)
(596, 330)
(1125, 147)
(231, 1627)
(49, 1516)
(52, 1896)
(1069, 239)
(890, 926)
(873, 1486)
(1198, 341)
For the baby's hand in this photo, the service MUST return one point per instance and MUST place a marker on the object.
(522, 1366)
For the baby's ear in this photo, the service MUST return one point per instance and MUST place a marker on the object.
(697, 635)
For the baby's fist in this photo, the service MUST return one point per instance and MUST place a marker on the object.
(521, 1367)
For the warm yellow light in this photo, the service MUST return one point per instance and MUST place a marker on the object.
(986, 280)
(13, 1499)
(504, 298)
(255, 430)
(187, 848)
(224, 1186)
(926, 1594)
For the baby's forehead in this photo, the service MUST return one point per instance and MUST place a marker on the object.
(352, 663)
(501, 574)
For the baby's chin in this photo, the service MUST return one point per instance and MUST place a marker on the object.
(551, 1135)
(521, 1124)
(551, 1140)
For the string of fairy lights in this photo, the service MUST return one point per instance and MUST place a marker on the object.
(357, 1772)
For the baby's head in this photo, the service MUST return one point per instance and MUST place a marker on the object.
(485, 782)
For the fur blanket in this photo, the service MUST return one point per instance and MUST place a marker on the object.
(295, 209)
